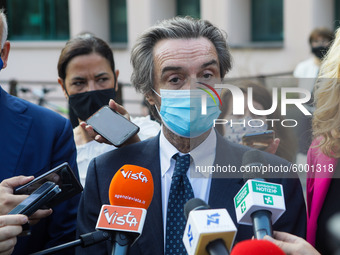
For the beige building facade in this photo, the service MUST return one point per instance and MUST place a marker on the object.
(36, 61)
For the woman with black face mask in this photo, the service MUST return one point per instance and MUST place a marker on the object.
(307, 71)
(87, 75)
(319, 41)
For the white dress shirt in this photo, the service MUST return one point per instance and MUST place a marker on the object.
(202, 155)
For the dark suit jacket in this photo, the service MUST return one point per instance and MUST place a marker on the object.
(34, 140)
(223, 190)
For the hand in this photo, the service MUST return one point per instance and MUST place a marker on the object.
(291, 244)
(38, 215)
(8, 200)
(10, 227)
(95, 136)
(272, 148)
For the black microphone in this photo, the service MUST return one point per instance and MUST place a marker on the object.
(262, 222)
(84, 240)
(258, 203)
(207, 230)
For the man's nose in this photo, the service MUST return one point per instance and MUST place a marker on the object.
(191, 83)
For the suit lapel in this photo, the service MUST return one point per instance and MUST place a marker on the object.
(223, 189)
(153, 243)
(13, 132)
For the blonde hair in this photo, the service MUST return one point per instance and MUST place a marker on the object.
(326, 118)
(4, 27)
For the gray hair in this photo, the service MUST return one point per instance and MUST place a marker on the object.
(4, 27)
(175, 28)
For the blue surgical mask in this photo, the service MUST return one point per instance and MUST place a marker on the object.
(181, 112)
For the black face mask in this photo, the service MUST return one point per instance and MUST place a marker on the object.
(320, 51)
(87, 103)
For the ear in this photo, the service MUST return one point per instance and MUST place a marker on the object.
(5, 53)
(150, 97)
(61, 82)
(116, 84)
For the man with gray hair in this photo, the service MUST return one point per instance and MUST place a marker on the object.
(172, 63)
(33, 141)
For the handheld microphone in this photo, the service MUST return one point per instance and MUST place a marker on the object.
(256, 247)
(208, 231)
(84, 240)
(258, 203)
(130, 194)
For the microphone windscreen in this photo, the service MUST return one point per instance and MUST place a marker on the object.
(131, 186)
(194, 204)
(256, 247)
(252, 157)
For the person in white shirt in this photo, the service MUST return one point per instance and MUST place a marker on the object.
(307, 71)
(319, 40)
(171, 61)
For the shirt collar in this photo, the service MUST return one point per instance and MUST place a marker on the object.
(167, 150)
(202, 155)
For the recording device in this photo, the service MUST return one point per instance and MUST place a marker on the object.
(84, 240)
(256, 247)
(37, 199)
(208, 231)
(130, 193)
(62, 176)
(258, 203)
(259, 141)
(112, 126)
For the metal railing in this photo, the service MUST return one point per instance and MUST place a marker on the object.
(49, 93)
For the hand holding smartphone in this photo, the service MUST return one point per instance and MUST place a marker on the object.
(112, 126)
(37, 199)
(259, 141)
(62, 176)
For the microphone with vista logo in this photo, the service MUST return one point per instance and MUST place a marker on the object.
(258, 203)
(130, 194)
(208, 231)
(256, 247)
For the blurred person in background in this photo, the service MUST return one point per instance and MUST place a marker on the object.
(283, 145)
(307, 71)
(319, 40)
(89, 80)
(33, 141)
(323, 184)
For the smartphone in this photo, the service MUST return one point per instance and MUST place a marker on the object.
(112, 126)
(40, 197)
(259, 141)
(62, 176)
